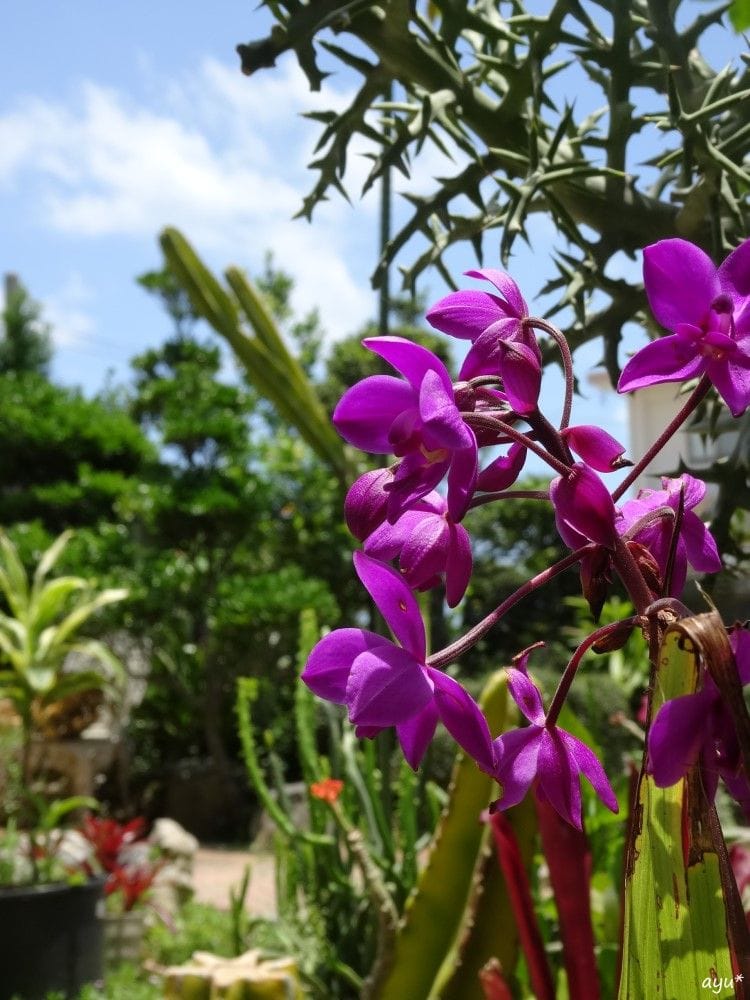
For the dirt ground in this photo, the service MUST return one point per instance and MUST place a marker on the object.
(216, 871)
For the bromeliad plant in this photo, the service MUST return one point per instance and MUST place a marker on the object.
(414, 539)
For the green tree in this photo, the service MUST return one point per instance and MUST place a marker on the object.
(64, 460)
(25, 345)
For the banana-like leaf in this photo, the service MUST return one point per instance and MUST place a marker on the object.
(13, 581)
(435, 912)
(53, 638)
(47, 601)
(49, 558)
(675, 929)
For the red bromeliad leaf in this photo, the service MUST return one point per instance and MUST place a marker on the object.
(568, 857)
(493, 982)
(514, 872)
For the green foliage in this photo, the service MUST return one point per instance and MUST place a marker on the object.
(497, 88)
(25, 346)
(675, 931)
(739, 14)
(439, 913)
(66, 460)
(344, 874)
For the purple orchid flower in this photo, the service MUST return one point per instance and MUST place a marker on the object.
(493, 323)
(695, 544)
(429, 547)
(384, 683)
(416, 420)
(699, 728)
(546, 754)
(708, 311)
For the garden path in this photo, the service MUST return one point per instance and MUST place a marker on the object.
(216, 871)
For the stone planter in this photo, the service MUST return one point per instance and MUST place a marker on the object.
(123, 937)
(51, 939)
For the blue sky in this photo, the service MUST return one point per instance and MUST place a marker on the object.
(119, 119)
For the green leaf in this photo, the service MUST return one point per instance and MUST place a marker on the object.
(50, 557)
(675, 933)
(48, 601)
(13, 581)
(739, 15)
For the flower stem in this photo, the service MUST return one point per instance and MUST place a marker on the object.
(509, 495)
(567, 360)
(457, 648)
(488, 422)
(696, 397)
(569, 673)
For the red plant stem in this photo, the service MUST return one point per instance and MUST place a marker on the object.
(567, 360)
(489, 422)
(512, 866)
(696, 397)
(445, 656)
(568, 855)
(569, 673)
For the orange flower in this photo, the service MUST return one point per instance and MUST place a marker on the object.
(327, 790)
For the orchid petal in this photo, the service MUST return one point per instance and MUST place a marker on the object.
(414, 479)
(591, 768)
(425, 552)
(504, 471)
(483, 357)
(732, 381)
(387, 541)
(411, 359)
(582, 502)
(459, 565)
(681, 282)
(734, 273)
(676, 737)
(517, 754)
(505, 285)
(463, 719)
(462, 480)
(386, 686)
(415, 734)
(595, 446)
(466, 314)
(329, 663)
(365, 412)
(395, 602)
(700, 545)
(558, 777)
(668, 359)
(443, 426)
(521, 371)
(526, 695)
(367, 502)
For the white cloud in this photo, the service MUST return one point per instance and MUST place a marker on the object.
(66, 310)
(221, 157)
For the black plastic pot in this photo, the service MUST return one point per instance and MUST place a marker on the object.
(51, 938)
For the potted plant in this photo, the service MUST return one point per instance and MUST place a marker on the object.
(49, 909)
(54, 677)
(129, 863)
